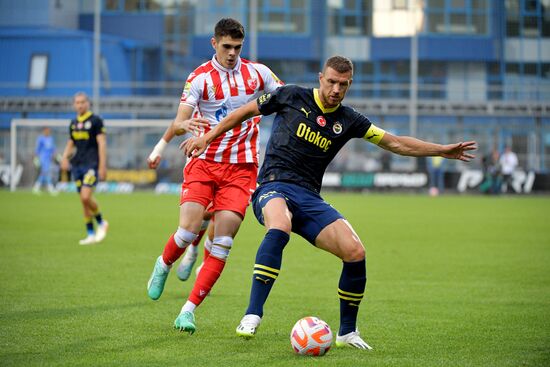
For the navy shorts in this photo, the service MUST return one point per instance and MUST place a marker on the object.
(84, 176)
(310, 213)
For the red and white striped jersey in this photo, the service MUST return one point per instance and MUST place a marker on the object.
(215, 91)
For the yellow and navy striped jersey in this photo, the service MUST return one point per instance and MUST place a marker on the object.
(305, 136)
(83, 131)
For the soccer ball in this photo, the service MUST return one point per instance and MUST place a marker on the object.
(311, 336)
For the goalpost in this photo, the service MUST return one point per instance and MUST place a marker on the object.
(129, 143)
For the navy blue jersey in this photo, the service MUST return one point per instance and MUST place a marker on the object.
(84, 131)
(305, 135)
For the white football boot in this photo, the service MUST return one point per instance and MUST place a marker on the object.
(89, 240)
(248, 326)
(101, 232)
(187, 262)
(352, 339)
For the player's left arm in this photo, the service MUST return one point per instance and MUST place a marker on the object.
(409, 146)
(197, 145)
(102, 151)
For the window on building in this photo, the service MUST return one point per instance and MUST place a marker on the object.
(112, 5)
(294, 71)
(153, 5)
(512, 68)
(458, 4)
(458, 16)
(132, 5)
(206, 13)
(350, 17)
(283, 16)
(439, 4)
(38, 72)
(530, 69)
(432, 77)
(527, 18)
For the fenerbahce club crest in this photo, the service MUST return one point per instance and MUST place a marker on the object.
(337, 127)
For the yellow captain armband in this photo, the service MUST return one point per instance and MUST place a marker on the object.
(374, 134)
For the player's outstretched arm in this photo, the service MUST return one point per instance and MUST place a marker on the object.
(181, 124)
(197, 145)
(409, 146)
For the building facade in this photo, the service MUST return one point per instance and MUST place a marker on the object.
(439, 69)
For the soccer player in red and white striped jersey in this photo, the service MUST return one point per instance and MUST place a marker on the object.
(225, 175)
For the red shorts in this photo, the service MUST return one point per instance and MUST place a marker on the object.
(228, 186)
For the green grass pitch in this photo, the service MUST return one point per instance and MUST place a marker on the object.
(453, 281)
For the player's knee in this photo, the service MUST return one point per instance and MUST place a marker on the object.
(183, 237)
(221, 245)
(86, 200)
(282, 226)
(354, 253)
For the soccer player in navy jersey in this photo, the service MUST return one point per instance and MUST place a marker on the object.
(88, 164)
(310, 127)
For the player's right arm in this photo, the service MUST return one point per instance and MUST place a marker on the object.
(182, 124)
(66, 154)
(196, 146)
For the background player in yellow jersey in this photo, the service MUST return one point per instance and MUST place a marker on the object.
(88, 164)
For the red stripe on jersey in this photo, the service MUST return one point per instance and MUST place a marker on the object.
(261, 80)
(205, 91)
(205, 68)
(254, 139)
(213, 147)
(227, 151)
(241, 145)
(232, 86)
(217, 82)
(245, 73)
(206, 129)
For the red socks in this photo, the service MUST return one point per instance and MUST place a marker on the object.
(171, 251)
(199, 238)
(206, 279)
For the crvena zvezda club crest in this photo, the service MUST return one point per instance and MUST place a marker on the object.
(252, 83)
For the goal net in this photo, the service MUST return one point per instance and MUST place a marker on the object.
(129, 143)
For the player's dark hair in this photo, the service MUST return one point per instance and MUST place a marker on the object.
(339, 63)
(229, 27)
